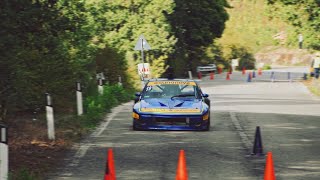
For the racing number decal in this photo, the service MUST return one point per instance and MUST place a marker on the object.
(149, 88)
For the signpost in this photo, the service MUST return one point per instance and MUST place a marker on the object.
(142, 45)
(4, 153)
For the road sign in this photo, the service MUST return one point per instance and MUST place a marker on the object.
(234, 62)
(142, 44)
(144, 68)
(260, 65)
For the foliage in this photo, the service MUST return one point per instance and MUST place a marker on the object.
(23, 174)
(45, 46)
(244, 56)
(250, 26)
(195, 24)
(304, 15)
(97, 105)
(261, 24)
(266, 67)
(112, 64)
(214, 55)
(128, 20)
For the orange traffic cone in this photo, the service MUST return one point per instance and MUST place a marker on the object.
(259, 71)
(199, 75)
(182, 173)
(269, 169)
(211, 76)
(110, 173)
(243, 71)
(228, 76)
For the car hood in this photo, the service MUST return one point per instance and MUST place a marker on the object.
(175, 105)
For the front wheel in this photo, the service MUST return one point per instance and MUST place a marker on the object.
(134, 127)
(207, 128)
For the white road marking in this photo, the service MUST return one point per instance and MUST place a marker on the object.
(83, 148)
(105, 124)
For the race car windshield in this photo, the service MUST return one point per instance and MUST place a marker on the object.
(167, 90)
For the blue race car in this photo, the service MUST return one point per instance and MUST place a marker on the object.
(171, 105)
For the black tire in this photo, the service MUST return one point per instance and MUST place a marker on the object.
(208, 125)
(134, 127)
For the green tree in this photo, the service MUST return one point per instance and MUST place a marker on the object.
(45, 46)
(246, 59)
(112, 64)
(304, 15)
(195, 24)
(127, 20)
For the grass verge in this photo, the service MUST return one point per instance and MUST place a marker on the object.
(313, 85)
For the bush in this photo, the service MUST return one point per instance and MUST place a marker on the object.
(24, 174)
(244, 55)
(97, 105)
(266, 67)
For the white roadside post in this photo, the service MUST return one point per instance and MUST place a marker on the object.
(142, 45)
(100, 77)
(4, 153)
(120, 81)
(190, 75)
(50, 118)
(100, 86)
(79, 99)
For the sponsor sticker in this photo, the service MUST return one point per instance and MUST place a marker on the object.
(172, 82)
(170, 110)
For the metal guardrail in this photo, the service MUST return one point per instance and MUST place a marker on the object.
(280, 76)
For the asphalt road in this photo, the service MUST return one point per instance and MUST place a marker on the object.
(287, 114)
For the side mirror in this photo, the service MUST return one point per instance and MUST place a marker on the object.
(137, 94)
(205, 95)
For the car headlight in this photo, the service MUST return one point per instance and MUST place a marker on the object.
(205, 116)
(135, 115)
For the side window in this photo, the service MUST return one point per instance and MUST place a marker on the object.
(199, 92)
(187, 90)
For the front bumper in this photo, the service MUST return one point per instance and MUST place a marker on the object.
(170, 122)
